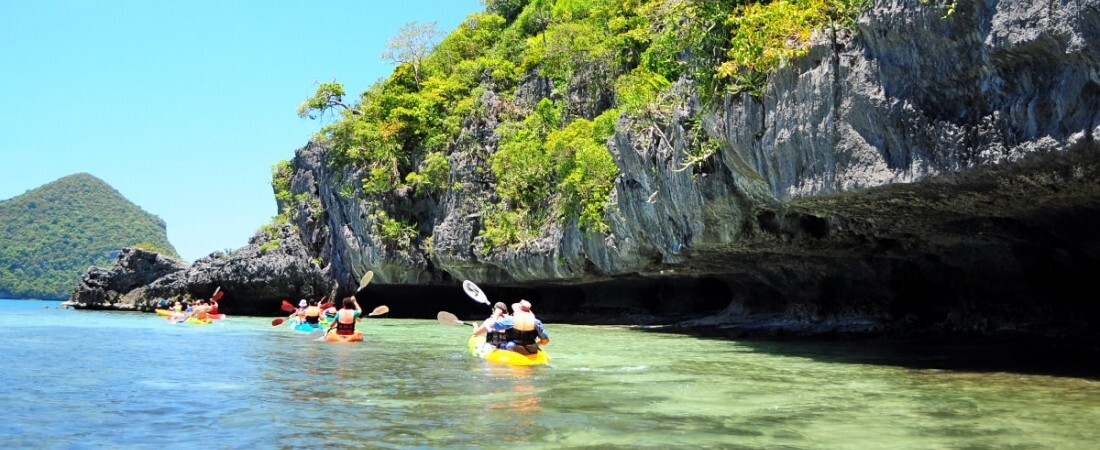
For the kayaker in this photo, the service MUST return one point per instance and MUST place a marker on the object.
(523, 331)
(493, 337)
(312, 314)
(177, 312)
(200, 310)
(213, 306)
(329, 312)
(346, 317)
(298, 316)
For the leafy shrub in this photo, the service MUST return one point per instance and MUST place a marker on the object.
(280, 181)
(637, 90)
(433, 174)
(765, 34)
(395, 232)
(585, 168)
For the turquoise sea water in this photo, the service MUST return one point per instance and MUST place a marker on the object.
(87, 379)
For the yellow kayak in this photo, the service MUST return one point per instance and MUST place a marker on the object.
(478, 348)
(164, 312)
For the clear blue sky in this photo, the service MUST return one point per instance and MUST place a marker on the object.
(183, 106)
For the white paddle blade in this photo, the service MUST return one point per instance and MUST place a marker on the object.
(474, 292)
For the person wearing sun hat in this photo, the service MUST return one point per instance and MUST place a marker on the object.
(522, 330)
(299, 315)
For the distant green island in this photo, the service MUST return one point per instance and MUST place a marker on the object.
(51, 235)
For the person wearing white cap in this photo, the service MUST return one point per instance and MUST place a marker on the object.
(299, 315)
(523, 331)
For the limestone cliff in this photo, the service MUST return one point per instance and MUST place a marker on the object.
(917, 173)
(921, 170)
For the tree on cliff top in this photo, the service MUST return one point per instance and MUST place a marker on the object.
(413, 43)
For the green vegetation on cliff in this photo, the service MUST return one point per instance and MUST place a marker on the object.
(554, 76)
(50, 235)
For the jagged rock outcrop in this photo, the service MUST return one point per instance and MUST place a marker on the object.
(135, 269)
(255, 279)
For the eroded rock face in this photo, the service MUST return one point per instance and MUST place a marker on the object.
(135, 269)
(919, 173)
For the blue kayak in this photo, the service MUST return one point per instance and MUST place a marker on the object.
(306, 327)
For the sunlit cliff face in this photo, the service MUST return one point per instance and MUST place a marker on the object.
(917, 174)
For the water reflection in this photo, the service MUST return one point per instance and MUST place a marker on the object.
(517, 386)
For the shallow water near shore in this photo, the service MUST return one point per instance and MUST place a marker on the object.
(90, 379)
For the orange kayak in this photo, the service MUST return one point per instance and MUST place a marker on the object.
(333, 337)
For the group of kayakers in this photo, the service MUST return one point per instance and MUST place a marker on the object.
(519, 331)
(342, 320)
(201, 309)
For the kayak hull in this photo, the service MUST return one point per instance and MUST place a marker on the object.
(196, 321)
(480, 349)
(170, 313)
(333, 337)
(306, 327)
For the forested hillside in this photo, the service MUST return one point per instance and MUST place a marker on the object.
(50, 235)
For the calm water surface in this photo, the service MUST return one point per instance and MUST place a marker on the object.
(86, 379)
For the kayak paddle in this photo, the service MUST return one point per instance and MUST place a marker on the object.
(287, 307)
(447, 318)
(474, 292)
(366, 279)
